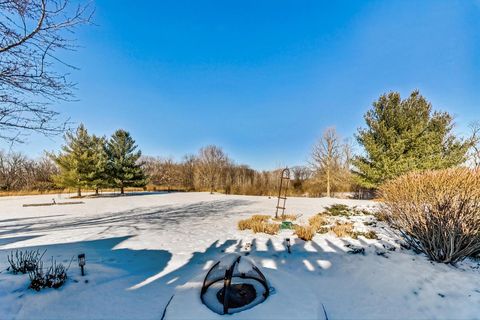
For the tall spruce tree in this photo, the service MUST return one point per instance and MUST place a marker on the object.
(123, 167)
(405, 135)
(99, 177)
(76, 161)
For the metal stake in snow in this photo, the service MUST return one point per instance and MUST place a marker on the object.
(282, 191)
(81, 262)
(287, 240)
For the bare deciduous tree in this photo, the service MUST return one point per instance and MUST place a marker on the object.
(475, 148)
(33, 33)
(187, 172)
(17, 172)
(212, 162)
(326, 155)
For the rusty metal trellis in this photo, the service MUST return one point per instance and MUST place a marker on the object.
(282, 191)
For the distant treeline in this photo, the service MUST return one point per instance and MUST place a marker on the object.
(212, 170)
(400, 136)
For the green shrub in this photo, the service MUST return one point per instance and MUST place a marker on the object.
(338, 210)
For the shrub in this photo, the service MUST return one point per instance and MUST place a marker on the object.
(249, 223)
(380, 216)
(287, 217)
(55, 276)
(259, 223)
(323, 230)
(344, 230)
(317, 222)
(437, 212)
(260, 217)
(305, 233)
(271, 228)
(370, 235)
(338, 210)
(244, 224)
(24, 261)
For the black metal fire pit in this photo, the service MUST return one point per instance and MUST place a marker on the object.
(234, 284)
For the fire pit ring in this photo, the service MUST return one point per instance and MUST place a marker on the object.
(234, 284)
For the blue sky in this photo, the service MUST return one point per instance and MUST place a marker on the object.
(263, 79)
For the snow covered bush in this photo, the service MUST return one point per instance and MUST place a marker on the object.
(24, 261)
(54, 277)
(338, 210)
(437, 212)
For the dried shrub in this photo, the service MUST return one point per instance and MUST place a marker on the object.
(369, 235)
(24, 261)
(305, 233)
(265, 227)
(317, 222)
(244, 224)
(361, 212)
(54, 277)
(437, 212)
(287, 217)
(338, 210)
(380, 216)
(259, 223)
(323, 230)
(344, 230)
(271, 228)
(260, 217)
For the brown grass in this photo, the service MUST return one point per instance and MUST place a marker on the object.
(317, 222)
(371, 235)
(65, 191)
(437, 212)
(287, 217)
(259, 224)
(305, 233)
(344, 230)
(260, 217)
(29, 192)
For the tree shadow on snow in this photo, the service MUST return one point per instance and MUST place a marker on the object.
(156, 218)
(102, 253)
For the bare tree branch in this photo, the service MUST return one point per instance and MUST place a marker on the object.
(32, 34)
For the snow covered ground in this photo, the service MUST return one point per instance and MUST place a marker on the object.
(142, 249)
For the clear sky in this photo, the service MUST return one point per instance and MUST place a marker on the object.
(263, 79)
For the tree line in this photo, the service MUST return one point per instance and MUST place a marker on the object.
(400, 136)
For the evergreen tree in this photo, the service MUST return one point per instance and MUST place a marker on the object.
(405, 135)
(99, 177)
(76, 161)
(123, 167)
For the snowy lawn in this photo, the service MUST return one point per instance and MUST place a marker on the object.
(142, 249)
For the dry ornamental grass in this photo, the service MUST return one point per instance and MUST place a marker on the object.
(437, 212)
(259, 224)
(317, 222)
(305, 233)
(344, 230)
(287, 217)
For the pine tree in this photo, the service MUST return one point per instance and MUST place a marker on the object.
(76, 161)
(405, 135)
(99, 177)
(123, 167)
